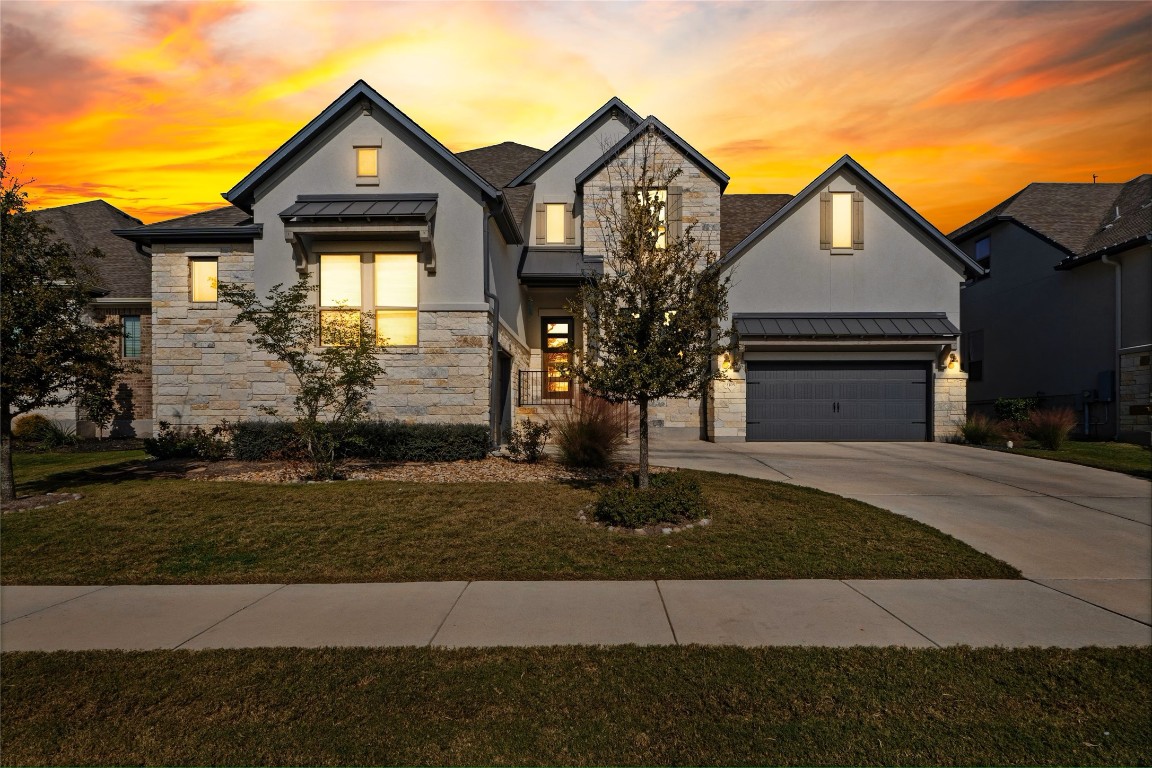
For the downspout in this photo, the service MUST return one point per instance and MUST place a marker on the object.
(494, 303)
(1115, 395)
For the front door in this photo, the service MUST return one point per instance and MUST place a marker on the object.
(557, 334)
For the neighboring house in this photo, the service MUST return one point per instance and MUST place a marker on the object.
(1065, 303)
(846, 300)
(122, 296)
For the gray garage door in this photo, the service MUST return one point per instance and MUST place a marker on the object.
(837, 401)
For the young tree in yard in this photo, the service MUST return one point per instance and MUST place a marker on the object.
(333, 380)
(53, 353)
(651, 320)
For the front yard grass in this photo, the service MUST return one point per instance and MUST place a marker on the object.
(580, 706)
(1130, 459)
(167, 531)
(32, 469)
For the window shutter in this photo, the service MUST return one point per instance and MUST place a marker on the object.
(857, 221)
(674, 213)
(541, 224)
(569, 225)
(826, 220)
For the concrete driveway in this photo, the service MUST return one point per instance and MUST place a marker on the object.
(1082, 531)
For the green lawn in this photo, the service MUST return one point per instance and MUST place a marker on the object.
(167, 531)
(1118, 457)
(33, 469)
(580, 706)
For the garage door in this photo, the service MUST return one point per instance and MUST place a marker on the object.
(838, 401)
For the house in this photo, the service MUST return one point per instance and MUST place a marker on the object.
(1065, 304)
(122, 296)
(846, 300)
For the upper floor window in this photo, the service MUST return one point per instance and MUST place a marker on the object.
(841, 220)
(130, 325)
(204, 280)
(555, 224)
(984, 253)
(658, 203)
(367, 159)
(383, 284)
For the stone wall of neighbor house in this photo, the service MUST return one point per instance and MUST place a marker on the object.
(133, 394)
(204, 370)
(949, 407)
(700, 209)
(1135, 406)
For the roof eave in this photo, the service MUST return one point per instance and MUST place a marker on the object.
(146, 236)
(1078, 261)
(652, 122)
(575, 133)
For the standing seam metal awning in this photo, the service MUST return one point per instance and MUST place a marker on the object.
(851, 326)
(361, 207)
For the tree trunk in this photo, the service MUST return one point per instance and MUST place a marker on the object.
(7, 480)
(642, 479)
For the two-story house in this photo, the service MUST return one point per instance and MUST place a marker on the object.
(846, 300)
(1064, 310)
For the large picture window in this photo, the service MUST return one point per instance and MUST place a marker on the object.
(383, 284)
(558, 337)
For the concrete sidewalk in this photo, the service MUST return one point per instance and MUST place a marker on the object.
(911, 613)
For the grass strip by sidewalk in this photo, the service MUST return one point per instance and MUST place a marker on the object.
(1135, 460)
(163, 531)
(580, 706)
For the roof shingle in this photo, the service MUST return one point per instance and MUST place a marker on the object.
(741, 214)
(500, 163)
(123, 272)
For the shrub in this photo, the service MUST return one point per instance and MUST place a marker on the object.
(260, 440)
(979, 430)
(1051, 428)
(528, 440)
(1015, 409)
(590, 432)
(671, 497)
(30, 427)
(56, 434)
(382, 440)
(187, 443)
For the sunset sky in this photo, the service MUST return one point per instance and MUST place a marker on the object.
(159, 107)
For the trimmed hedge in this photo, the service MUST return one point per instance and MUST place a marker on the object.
(381, 440)
(671, 497)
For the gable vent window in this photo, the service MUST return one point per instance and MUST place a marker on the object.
(841, 221)
(555, 224)
(367, 159)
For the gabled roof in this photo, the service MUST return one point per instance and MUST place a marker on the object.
(122, 272)
(243, 193)
(740, 214)
(219, 225)
(650, 123)
(848, 164)
(613, 103)
(500, 163)
(1067, 215)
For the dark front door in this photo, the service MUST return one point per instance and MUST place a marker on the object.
(837, 401)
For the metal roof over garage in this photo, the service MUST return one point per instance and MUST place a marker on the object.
(863, 325)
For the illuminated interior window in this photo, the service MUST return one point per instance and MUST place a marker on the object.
(204, 279)
(555, 231)
(841, 219)
(396, 298)
(340, 280)
(658, 198)
(558, 339)
(366, 161)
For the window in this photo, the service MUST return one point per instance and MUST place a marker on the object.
(841, 221)
(984, 253)
(367, 159)
(130, 325)
(555, 224)
(203, 279)
(558, 335)
(396, 299)
(384, 283)
(658, 199)
(555, 220)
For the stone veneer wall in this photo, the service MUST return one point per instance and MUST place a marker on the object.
(950, 403)
(133, 395)
(1135, 406)
(204, 370)
(700, 208)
